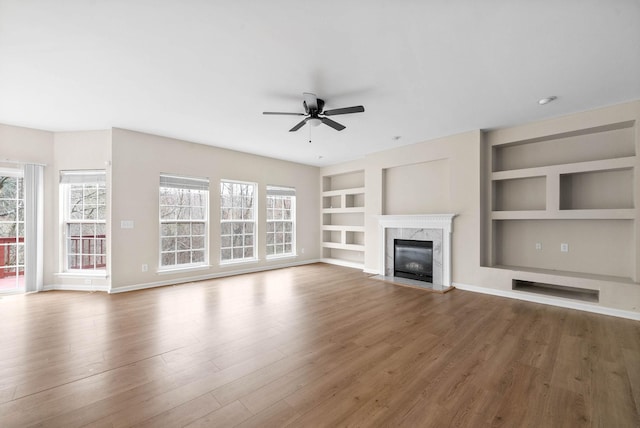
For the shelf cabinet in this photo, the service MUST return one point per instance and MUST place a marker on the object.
(577, 187)
(343, 207)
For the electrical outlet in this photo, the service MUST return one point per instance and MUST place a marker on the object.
(538, 246)
(564, 248)
(87, 282)
(301, 250)
(145, 267)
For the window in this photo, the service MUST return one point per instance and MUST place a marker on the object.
(11, 230)
(84, 219)
(183, 221)
(281, 215)
(237, 221)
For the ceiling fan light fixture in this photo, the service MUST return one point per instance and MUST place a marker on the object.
(314, 121)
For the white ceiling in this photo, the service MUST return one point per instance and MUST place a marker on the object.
(204, 71)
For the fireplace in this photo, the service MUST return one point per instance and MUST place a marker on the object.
(413, 259)
(436, 228)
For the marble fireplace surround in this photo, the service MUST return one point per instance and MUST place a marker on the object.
(422, 227)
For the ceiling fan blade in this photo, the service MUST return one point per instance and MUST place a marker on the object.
(279, 112)
(298, 126)
(311, 101)
(335, 125)
(345, 110)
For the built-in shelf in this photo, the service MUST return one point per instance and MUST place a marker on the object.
(342, 210)
(598, 189)
(602, 142)
(568, 168)
(553, 290)
(343, 262)
(595, 214)
(577, 188)
(341, 246)
(340, 228)
(567, 274)
(343, 207)
(355, 190)
(520, 194)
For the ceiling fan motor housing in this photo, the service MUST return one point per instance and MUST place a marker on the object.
(316, 111)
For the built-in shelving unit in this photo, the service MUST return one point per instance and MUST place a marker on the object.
(343, 219)
(576, 187)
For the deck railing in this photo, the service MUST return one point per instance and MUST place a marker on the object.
(85, 250)
(9, 256)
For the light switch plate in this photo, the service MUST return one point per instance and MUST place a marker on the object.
(126, 224)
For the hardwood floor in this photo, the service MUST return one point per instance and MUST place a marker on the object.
(316, 345)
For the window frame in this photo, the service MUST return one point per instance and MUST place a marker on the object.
(83, 178)
(254, 221)
(17, 243)
(281, 192)
(182, 182)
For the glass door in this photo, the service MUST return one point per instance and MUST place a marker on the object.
(11, 230)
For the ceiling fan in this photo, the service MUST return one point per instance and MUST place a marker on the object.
(313, 109)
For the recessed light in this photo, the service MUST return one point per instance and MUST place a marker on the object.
(547, 100)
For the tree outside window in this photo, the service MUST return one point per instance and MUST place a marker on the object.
(237, 221)
(85, 205)
(11, 225)
(281, 213)
(183, 221)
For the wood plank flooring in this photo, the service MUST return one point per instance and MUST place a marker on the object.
(316, 345)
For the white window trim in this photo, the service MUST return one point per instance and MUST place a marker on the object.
(239, 261)
(256, 206)
(18, 173)
(67, 178)
(183, 268)
(207, 219)
(76, 273)
(294, 221)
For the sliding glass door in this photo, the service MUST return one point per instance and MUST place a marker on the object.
(12, 251)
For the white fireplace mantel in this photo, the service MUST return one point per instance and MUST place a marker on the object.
(443, 222)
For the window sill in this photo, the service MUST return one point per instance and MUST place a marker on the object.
(169, 271)
(239, 262)
(82, 274)
(281, 257)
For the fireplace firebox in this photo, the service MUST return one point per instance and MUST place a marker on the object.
(413, 259)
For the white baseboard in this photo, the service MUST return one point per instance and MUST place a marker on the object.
(343, 263)
(371, 271)
(75, 287)
(208, 276)
(553, 301)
